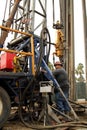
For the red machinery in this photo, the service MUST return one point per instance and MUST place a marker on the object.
(6, 61)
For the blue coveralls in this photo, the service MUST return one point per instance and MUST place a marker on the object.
(62, 78)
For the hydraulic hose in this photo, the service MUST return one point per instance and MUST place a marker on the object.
(41, 50)
(34, 77)
(45, 31)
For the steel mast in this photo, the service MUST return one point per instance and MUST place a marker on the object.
(9, 22)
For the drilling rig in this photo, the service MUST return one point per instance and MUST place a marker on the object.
(26, 81)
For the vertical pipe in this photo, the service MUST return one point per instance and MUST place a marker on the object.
(84, 8)
(33, 15)
(66, 14)
(64, 18)
(67, 36)
(72, 65)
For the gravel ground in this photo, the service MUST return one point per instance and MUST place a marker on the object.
(76, 125)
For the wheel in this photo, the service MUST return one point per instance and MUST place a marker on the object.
(5, 106)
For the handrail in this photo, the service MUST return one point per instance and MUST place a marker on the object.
(18, 52)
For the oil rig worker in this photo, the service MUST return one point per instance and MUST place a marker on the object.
(62, 78)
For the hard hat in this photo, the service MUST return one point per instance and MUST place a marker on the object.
(58, 63)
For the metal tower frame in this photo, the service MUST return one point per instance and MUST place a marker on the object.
(28, 18)
(31, 16)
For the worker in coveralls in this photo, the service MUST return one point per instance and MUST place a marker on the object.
(62, 78)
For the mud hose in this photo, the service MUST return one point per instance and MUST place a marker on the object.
(49, 45)
(40, 54)
(32, 125)
(29, 125)
(46, 42)
(30, 83)
(41, 49)
(76, 124)
(39, 127)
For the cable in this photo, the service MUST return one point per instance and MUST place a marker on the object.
(45, 31)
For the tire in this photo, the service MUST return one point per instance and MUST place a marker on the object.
(5, 106)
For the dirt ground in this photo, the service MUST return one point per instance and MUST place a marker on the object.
(75, 125)
(80, 124)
